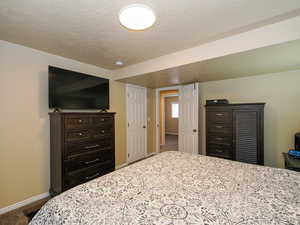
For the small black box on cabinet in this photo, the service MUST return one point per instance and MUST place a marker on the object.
(217, 102)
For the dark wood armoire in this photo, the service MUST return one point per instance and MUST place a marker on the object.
(236, 132)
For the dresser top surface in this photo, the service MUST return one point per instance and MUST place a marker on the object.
(236, 104)
(82, 113)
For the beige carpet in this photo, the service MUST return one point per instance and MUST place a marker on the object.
(18, 216)
(171, 143)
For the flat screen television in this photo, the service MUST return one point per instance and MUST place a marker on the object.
(74, 90)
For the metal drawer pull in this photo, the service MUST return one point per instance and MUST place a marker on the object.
(93, 146)
(102, 131)
(218, 150)
(80, 121)
(93, 161)
(219, 114)
(80, 134)
(102, 120)
(91, 177)
(219, 127)
(219, 139)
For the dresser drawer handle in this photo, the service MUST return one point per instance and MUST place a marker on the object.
(80, 134)
(219, 139)
(93, 146)
(93, 161)
(219, 127)
(218, 150)
(102, 131)
(91, 177)
(102, 120)
(219, 114)
(80, 121)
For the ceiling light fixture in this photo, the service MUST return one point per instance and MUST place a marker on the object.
(137, 17)
(119, 63)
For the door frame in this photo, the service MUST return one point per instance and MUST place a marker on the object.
(164, 97)
(127, 127)
(157, 114)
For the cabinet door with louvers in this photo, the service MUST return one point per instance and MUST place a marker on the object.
(248, 136)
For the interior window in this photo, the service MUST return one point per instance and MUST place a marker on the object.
(175, 110)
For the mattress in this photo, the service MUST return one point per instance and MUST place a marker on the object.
(175, 188)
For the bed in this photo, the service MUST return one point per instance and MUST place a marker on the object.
(175, 188)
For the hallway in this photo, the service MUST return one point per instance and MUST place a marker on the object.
(171, 143)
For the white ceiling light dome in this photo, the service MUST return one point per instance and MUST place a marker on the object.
(137, 17)
(119, 63)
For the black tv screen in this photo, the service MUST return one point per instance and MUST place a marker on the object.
(74, 90)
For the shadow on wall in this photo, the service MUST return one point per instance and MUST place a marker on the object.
(44, 130)
(271, 120)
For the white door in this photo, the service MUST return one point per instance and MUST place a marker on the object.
(136, 122)
(188, 118)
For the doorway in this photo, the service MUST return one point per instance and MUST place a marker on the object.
(169, 117)
(169, 120)
(180, 104)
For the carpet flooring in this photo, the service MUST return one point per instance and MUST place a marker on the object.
(23, 215)
(171, 143)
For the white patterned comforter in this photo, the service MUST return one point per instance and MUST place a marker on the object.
(176, 188)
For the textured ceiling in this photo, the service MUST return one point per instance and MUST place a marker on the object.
(276, 58)
(89, 31)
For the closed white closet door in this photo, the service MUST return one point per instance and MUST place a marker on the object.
(136, 122)
(188, 118)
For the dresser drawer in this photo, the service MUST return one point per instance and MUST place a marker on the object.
(103, 121)
(220, 151)
(220, 139)
(75, 178)
(74, 149)
(78, 135)
(102, 132)
(219, 117)
(77, 122)
(215, 128)
(89, 159)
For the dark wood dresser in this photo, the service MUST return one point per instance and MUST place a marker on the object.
(82, 148)
(236, 131)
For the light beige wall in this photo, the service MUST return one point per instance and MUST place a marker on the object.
(280, 92)
(118, 105)
(151, 111)
(171, 124)
(24, 121)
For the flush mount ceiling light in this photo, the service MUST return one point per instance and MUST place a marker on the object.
(119, 63)
(137, 17)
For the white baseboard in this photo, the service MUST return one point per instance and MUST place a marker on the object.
(23, 203)
(121, 166)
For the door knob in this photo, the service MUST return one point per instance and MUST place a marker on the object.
(144, 126)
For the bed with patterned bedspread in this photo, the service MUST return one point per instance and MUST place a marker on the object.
(176, 188)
